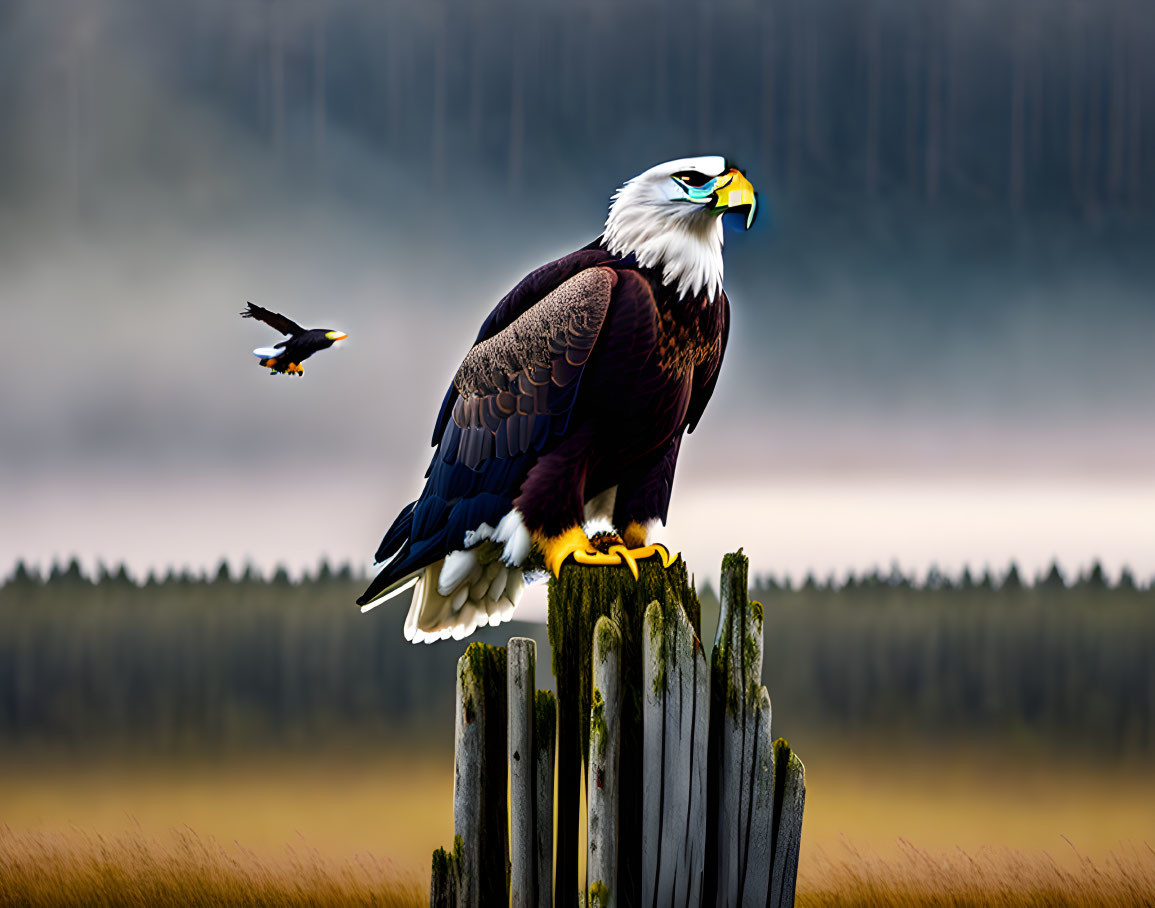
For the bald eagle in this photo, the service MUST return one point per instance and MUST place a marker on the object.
(565, 418)
(285, 357)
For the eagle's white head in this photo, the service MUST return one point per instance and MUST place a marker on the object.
(670, 218)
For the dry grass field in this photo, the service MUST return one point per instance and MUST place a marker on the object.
(908, 828)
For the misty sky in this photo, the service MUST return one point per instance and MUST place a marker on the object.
(906, 381)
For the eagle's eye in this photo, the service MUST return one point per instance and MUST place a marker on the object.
(691, 178)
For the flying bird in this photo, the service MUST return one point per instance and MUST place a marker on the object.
(564, 421)
(286, 356)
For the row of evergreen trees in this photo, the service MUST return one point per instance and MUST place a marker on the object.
(204, 665)
(1094, 577)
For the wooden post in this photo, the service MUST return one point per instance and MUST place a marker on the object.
(544, 733)
(576, 601)
(445, 876)
(522, 772)
(690, 801)
(675, 725)
(789, 802)
(602, 778)
(479, 786)
(741, 760)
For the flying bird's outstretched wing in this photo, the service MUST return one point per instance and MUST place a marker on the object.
(274, 320)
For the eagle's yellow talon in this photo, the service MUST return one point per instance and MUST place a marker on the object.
(574, 542)
(626, 557)
(656, 548)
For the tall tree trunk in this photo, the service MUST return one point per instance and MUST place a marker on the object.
(950, 161)
(476, 73)
(1075, 109)
(1037, 104)
(796, 97)
(1017, 124)
(277, 76)
(912, 79)
(705, 71)
(1117, 115)
(1135, 124)
(440, 92)
(516, 119)
(933, 106)
(1094, 147)
(319, 79)
(873, 96)
(814, 120)
(661, 69)
(394, 89)
(1018, 105)
(768, 88)
(74, 130)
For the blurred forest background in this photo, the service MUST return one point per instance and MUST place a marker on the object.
(216, 664)
(1036, 107)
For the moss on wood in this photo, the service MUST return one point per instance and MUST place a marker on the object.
(576, 600)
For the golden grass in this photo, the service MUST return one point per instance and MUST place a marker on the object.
(84, 869)
(990, 876)
(87, 869)
(1022, 830)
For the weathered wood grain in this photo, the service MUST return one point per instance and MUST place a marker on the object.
(759, 849)
(735, 696)
(690, 802)
(674, 711)
(544, 732)
(520, 751)
(602, 777)
(444, 876)
(479, 780)
(789, 802)
(576, 600)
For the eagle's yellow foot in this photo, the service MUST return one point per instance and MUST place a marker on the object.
(649, 551)
(634, 536)
(556, 549)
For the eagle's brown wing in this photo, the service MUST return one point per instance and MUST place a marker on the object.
(511, 401)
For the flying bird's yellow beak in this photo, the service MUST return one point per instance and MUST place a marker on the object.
(735, 191)
(335, 335)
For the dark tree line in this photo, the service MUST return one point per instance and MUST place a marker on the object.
(199, 664)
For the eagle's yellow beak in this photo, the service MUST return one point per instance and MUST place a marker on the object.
(735, 191)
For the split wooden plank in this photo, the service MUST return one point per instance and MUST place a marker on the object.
(695, 855)
(735, 686)
(675, 709)
(759, 851)
(444, 877)
(544, 737)
(653, 739)
(602, 778)
(522, 655)
(479, 781)
(577, 598)
(789, 803)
